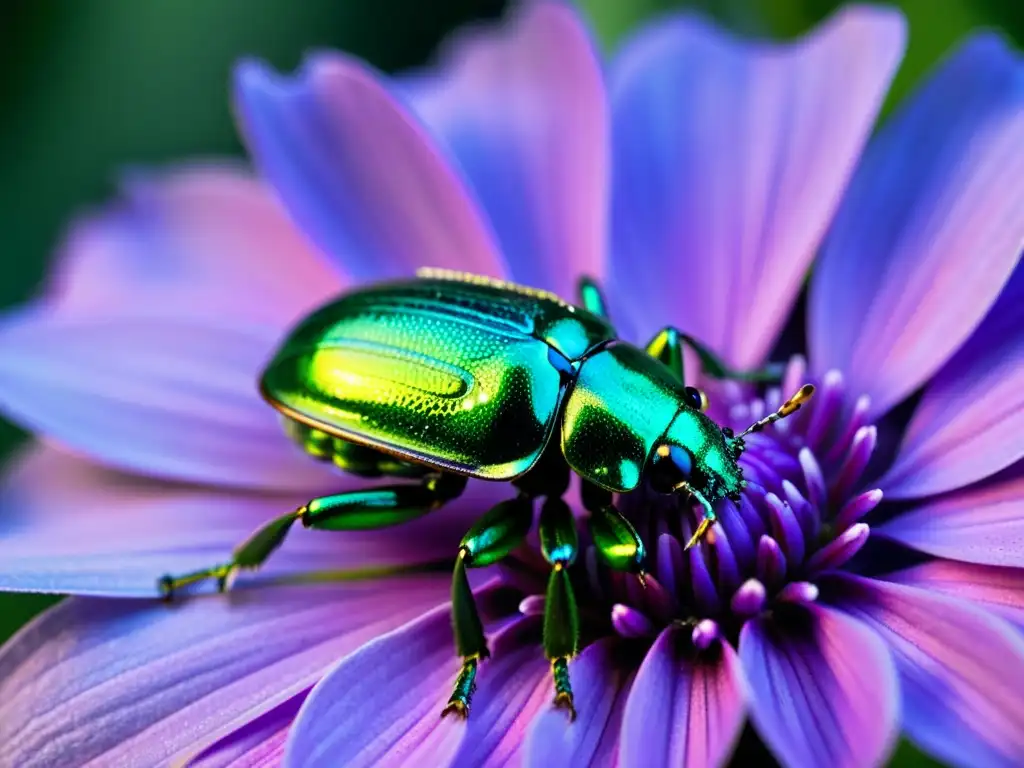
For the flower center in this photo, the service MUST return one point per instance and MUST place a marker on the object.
(798, 515)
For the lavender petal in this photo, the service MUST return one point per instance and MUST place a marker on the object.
(916, 258)
(359, 175)
(383, 700)
(170, 396)
(999, 589)
(599, 679)
(823, 688)
(684, 95)
(103, 533)
(983, 524)
(522, 108)
(683, 708)
(961, 669)
(148, 681)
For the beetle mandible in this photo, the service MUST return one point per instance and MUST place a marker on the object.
(451, 376)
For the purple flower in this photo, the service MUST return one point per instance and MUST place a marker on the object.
(696, 178)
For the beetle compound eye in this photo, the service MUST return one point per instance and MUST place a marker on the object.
(670, 466)
(696, 399)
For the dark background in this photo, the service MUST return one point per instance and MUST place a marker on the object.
(89, 88)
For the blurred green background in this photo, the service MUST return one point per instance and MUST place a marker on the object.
(89, 88)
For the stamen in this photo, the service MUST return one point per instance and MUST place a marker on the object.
(785, 528)
(839, 551)
(855, 463)
(669, 563)
(705, 593)
(813, 477)
(749, 599)
(771, 563)
(532, 605)
(828, 406)
(630, 622)
(856, 508)
(858, 418)
(798, 592)
(704, 634)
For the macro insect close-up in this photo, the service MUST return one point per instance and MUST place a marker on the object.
(519, 383)
(454, 376)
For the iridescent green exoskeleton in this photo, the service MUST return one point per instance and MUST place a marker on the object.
(452, 376)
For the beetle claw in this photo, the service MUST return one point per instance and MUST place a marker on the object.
(564, 701)
(457, 708)
(226, 580)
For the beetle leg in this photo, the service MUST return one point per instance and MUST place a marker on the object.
(666, 346)
(500, 530)
(590, 297)
(559, 545)
(351, 511)
(615, 539)
(709, 518)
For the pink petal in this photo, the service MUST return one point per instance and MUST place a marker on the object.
(823, 688)
(168, 397)
(522, 108)
(730, 158)
(969, 423)
(928, 232)
(979, 525)
(125, 681)
(357, 173)
(69, 526)
(601, 683)
(203, 240)
(683, 709)
(961, 670)
(1000, 590)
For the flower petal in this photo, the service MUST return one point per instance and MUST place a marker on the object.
(730, 158)
(969, 423)
(196, 241)
(69, 526)
(601, 684)
(961, 670)
(1001, 590)
(126, 681)
(823, 688)
(357, 173)
(165, 397)
(381, 704)
(928, 232)
(258, 743)
(982, 524)
(523, 110)
(683, 709)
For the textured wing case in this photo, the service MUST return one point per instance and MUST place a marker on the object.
(451, 374)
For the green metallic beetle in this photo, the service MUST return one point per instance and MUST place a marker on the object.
(451, 376)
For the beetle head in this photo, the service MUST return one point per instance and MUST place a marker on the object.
(695, 453)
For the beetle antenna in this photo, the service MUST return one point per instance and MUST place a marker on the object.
(788, 408)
